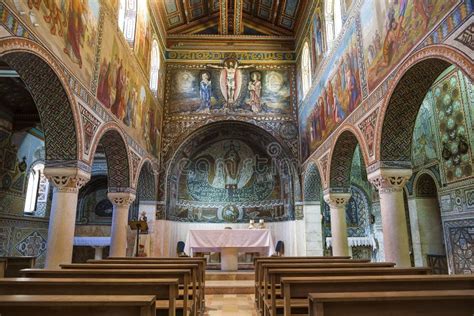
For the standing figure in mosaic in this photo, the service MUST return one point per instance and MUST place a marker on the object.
(255, 89)
(205, 92)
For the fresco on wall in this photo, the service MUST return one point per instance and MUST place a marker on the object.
(143, 36)
(424, 142)
(317, 38)
(120, 88)
(231, 88)
(69, 28)
(392, 28)
(337, 94)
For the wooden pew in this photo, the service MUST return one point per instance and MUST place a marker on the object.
(15, 264)
(296, 289)
(164, 290)
(311, 264)
(77, 305)
(183, 276)
(158, 260)
(406, 303)
(274, 276)
(3, 267)
(196, 282)
(258, 262)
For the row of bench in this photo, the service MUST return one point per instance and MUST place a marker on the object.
(326, 286)
(118, 286)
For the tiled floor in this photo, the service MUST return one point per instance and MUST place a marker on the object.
(230, 304)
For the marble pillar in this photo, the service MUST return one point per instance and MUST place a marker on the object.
(62, 220)
(118, 240)
(390, 183)
(337, 203)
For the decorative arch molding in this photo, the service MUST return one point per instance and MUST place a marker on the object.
(43, 75)
(418, 181)
(397, 114)
(117, 153)
(312, 183)
(146, 181)
(341, 156)
(173, 139)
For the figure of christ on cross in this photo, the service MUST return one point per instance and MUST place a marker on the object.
(230, 66)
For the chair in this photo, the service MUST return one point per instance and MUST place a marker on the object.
(180, 249)
(279, 249)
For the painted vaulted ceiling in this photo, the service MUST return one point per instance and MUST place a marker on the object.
(230, 17)
(230, 25)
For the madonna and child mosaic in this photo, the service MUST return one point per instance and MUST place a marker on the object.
(230, 86)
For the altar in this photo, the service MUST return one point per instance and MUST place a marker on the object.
(229, 242)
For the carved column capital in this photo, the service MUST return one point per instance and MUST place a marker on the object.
(337, 200)
(121, 198)
(389, 180)
(67, 179)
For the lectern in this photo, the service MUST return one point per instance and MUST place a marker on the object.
(138, 226)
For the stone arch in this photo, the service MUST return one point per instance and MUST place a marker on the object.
(405, 96)
(56, 105)
(312, 184)
(342, 154)
(112, 140)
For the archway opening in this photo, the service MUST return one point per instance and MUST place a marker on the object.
(426, 128)
(31, 138)
(94, 208)
(348, 175)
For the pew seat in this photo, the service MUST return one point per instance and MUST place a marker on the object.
(406, 303)
(77, 305)
(295, 289)
(183, 276)
(164, 290)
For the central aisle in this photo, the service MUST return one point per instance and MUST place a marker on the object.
(230, 293)
(230, 304)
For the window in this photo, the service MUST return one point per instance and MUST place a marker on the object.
(305, 69)
(155, 66)
(36, 173)
(333, 15)
(337, 18)
(127, 19)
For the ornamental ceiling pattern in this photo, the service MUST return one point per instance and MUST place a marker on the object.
(237, 17)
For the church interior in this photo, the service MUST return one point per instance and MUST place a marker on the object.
(236, 157)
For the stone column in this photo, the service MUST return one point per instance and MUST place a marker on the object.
(337, 204)
(118, 240)
(62, 220)
(390, 183)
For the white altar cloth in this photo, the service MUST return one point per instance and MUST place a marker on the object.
(92, 241)
(245, 240)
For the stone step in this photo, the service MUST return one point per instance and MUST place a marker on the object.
(230, 287)
(226, 276)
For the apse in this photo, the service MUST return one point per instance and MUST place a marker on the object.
(231, 172)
